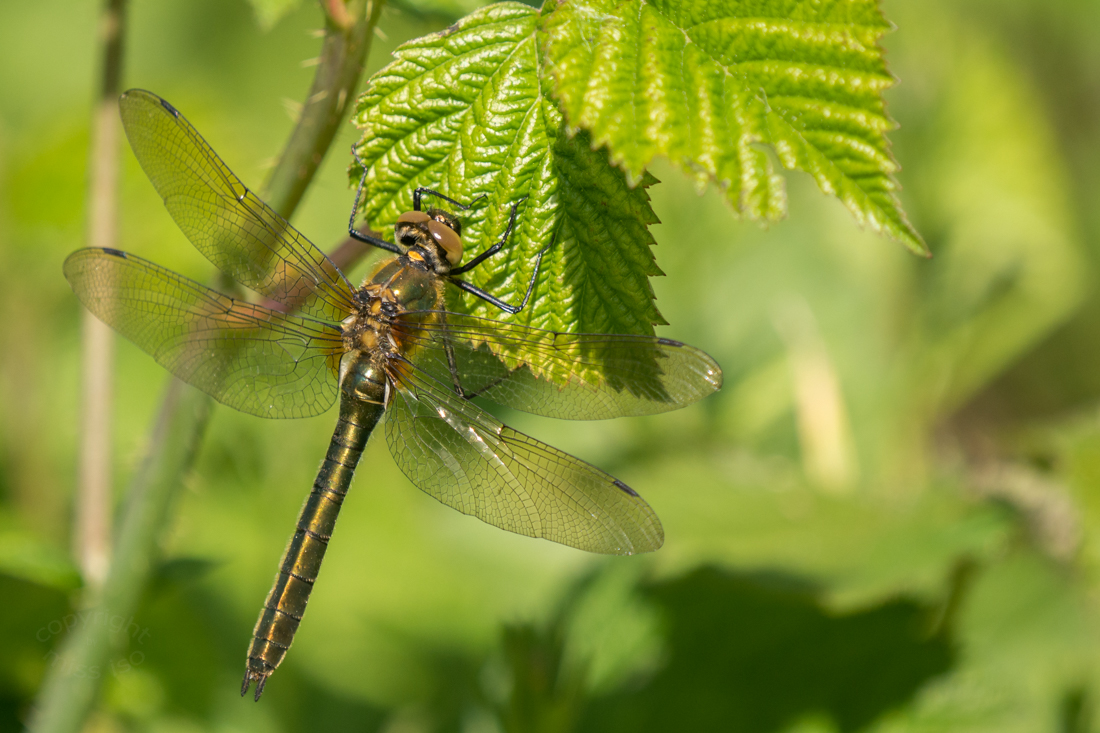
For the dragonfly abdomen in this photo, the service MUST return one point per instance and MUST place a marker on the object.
(361, 405)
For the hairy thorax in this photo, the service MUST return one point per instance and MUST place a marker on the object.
(400, 284)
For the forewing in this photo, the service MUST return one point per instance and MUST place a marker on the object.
(251, 358)
(465, 458)
(574, 376)
(225, 221)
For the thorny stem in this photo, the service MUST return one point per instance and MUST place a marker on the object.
(345, 49)
(80, 665)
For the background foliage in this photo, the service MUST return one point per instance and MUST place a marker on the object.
(887, 520)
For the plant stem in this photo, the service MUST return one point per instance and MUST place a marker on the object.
(92, 525)
(78, 669)
(342, 56)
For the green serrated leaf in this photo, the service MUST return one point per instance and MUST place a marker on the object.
(709, 83)
(464, 112)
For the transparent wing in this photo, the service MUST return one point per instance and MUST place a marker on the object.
(574, 376)
(225, 221)
(465, 458)
(251, 358)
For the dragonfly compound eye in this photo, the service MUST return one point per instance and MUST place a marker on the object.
(447, 239)
(413, 217)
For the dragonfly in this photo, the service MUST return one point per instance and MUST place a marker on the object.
(386, 348)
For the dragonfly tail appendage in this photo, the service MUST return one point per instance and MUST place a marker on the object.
(360, 409)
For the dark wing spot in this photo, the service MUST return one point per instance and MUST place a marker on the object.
(625, 488)
(669, 342)
(114, 252)
(171, 110)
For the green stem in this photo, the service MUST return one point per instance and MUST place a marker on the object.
(73, 681)
(342, 56)
(79, 667)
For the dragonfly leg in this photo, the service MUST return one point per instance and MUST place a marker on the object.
(496, 247)
(421, 190)
(506, 307)
(452, 363)
(452, 367)
(494, 383)
(355, 233)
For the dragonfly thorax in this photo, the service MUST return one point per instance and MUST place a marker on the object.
(367, 331)
(397, 285)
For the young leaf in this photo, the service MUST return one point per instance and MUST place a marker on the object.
(463, 112)
(706, 82)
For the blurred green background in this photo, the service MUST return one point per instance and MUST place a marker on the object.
(888, 520)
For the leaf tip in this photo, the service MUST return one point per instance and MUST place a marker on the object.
(914, 242)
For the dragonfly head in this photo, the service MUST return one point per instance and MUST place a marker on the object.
(435, 231)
